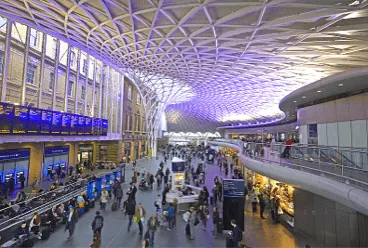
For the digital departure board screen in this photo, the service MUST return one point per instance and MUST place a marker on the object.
(20, 120)
(105, 126)
(46, 122)
(6, 116)
(88, 121)
(81, 125)
(73, 124)
(65, 124)
(56, 123)
(99, 132)
(95, 126)
(34, 119)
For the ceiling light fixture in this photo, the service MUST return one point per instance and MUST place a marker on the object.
(340, 85)
(304, 97)
(295, 101)
(318, 91)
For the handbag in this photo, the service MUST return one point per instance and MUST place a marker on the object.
(135, 219)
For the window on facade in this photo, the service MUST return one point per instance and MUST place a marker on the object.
(31, 68)
(83, 93)
(54, 47)
(52, 81)
(127, 122)
(84, 69)
(1, 61)
(144, 125)
(72, 59)
(138, 99)
(3, 24)
(70, 88)
(129, 92)
(137, 123)
(130, 122)
(34, 37)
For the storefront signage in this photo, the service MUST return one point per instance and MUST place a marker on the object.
(233, 187)
(56, 150)
(178, 167)
(14, 154)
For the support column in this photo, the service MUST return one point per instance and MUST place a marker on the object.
(42, 70)
(86, 87)
(56, 66)
(6, 60)
(25, 67)
(94, 87)
(77, 83)
(117, 102)
(121, 103)
(107, 94)
(67, 79)
(101, 84)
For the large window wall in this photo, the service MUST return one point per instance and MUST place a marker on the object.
(39, 70)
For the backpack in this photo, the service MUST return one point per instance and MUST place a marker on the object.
(98, 224)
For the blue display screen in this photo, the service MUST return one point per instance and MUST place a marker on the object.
(6, 117)
(34, 119)
(65, 124)
(233, 187)
(81, 125)
(20, 120)
(88, 126)
(105, 125)
(46, 121)
(73, 124)
(95, 126)
(56, 123)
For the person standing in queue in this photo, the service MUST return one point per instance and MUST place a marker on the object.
(140, 213)
(192, 221)
(236, 234)
(262, 205)
(103, 199)
(215, 221)
(71, 222)
(22, 179)
(11, 183)
(133, 191)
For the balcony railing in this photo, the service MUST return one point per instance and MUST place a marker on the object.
(345, 164)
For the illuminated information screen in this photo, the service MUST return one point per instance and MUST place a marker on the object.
(6, 116)
(56, 123)
(65, 124)
(20, 120)
(105, 126)
(88, 129)
(34, 119)
(81, 125)
(73, 124)
(46, 122)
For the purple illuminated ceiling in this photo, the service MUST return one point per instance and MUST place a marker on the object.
(216, 61)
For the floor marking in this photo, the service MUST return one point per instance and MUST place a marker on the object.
(115, 236)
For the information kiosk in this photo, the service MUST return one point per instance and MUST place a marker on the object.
(233, 203)
(178, 173)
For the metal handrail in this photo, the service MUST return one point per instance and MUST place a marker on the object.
(345, 169)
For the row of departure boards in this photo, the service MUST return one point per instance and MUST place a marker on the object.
(22, 120)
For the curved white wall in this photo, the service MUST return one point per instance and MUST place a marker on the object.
(345, 194)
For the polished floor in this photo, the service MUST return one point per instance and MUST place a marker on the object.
(258, 232)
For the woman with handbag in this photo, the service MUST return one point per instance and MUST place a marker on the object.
(140, 213)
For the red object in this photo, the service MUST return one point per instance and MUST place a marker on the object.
(289, 142)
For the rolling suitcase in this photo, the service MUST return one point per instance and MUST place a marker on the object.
(114, 206)
(45, 233)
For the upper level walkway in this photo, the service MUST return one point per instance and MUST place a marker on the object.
(340, 173)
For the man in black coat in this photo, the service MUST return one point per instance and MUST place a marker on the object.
(236, 234)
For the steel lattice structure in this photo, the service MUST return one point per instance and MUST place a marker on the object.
(211, 60)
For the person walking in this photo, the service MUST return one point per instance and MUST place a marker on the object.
(118, 194)
(97, 223)
(170, 215)
(11, 183)
(192, 221)
(22, 179)
(219, 186)
(231, 168)
(71, 222)
(215, 194)
(236, 233)
(204, 215)
(152, 225)
(130, 210)
(254, 200)
(104, 198)
(262, 205)
(226, 171)
(140, 213)
(175, 204)
(215, 221)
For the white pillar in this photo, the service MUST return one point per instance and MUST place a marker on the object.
(56, 74)
(42, 70)
(94, 87)
(85, 110)
(6, 60)
(67, 79)
(101, 84)
(25, 67)
(77, 82)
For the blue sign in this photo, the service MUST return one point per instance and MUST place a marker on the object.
(178, 167)
(56, 150)
(233, 187)
(14, 154)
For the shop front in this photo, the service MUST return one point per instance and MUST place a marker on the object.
(55, 157)
(13, 163)
(136, 150)
(85, 154)
(274, 190)
(127, 151)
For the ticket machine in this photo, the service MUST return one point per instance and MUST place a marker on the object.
(8, 175)
(98, 186)
(17, 175)
(63, 166)
(107, 184)
(91, 190)
(48, 170)
(122, 172)
(56, 166)
(117, 175)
